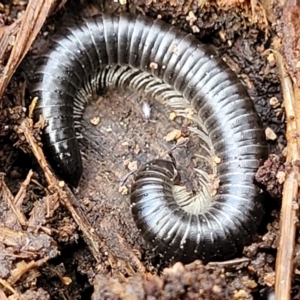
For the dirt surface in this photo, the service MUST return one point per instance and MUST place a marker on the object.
(116, 141)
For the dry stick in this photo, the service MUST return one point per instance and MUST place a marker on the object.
(19, 271)
(19, 198)
(9, 198)
(5, 284)
(289, 209)
(6, 35)
(33, 20)
(2, 295)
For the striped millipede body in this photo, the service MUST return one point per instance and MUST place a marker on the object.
(151, 57)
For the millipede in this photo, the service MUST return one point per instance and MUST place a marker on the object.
(148, 56)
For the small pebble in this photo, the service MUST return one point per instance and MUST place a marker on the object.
(270, 134)
(95, 121)
(274, 102)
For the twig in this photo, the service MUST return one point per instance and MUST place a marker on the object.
(33, 20)
(10, 288)
(19, 216)
(289, 210)
(6, 33)
(3, 296)
(228, 263)
(23, 268)
(19, 198)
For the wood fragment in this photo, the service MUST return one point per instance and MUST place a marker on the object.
(23, 268)
(289, 211)
(32, 22)
(6, 34)
(290, 38)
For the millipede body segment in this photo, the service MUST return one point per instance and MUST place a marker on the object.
(150, 55)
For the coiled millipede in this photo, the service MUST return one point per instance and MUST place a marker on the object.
(119, 51)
